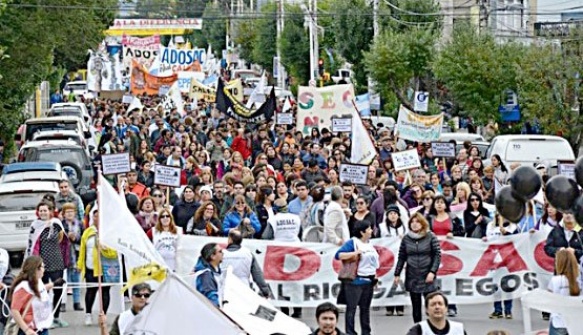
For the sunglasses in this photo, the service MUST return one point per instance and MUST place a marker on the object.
(360, 203)
(474, 199)
(157, 195)
(428, 199)
(142, 295)
(164, 216)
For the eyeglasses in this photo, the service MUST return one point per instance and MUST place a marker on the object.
(164, 216)
(157, 195)
(360, 203)
(142, 295)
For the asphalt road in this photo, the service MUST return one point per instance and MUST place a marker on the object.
(474, 317)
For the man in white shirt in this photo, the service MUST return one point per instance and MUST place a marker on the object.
(437, 323)
(335, 222)
(283, 226)
(140, 295)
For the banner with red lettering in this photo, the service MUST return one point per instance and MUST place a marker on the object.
(143, 82)
(472, 271)
(142, 50)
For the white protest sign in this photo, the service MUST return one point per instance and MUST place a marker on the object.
(566, 168)
(404, 160)
(127, 99)
(115, 163)
(285, 118)
(167, 175)
(355, 173)
(421, 101)
(341, 125)
(443, 149)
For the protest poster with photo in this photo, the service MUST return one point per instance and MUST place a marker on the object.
(405, 160)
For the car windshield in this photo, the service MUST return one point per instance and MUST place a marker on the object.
(31, 129)
(76, 86)
(12, 202)
(73, 155)
(65, 112)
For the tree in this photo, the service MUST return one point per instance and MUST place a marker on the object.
(265, 37)
(244, 39)
(214, 28)
(295, 46)
(476, 71)
(550, 90)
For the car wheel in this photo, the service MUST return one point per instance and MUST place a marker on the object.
(73, 172)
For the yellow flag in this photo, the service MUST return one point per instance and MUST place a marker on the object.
(144, 273)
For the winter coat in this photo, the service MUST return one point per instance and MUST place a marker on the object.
(422, 254)
(207, 281)
(233, 219)
(557, 240)
(184, 211)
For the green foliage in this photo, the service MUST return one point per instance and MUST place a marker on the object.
(295, 46)
(245, 38)
(265, 37)
(214, 29)
(476, 70)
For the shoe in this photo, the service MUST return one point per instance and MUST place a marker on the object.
(496, 315)
(508, 316)
(63, 308)
(88, 320)
(77, 307)
(69, 291)
(451, 313)
(389, 312)
(58, 323)
(400, 313)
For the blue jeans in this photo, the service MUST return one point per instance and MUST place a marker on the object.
(44, 332)
(74, 277)
(557, 331)
(507, 306)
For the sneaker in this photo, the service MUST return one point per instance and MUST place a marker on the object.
(58, 323)
(508, 316)
(451, 313)
(400, 313)
(496, 315)
(389, 312)
(88, 320)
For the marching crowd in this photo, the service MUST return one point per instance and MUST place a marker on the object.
(276, 182)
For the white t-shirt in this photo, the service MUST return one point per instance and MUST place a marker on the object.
(558, 285)
(369, 259)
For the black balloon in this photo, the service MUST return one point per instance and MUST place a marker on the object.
(509, 206)
(526, 182)
(562, 192)
(578, 209)
(579, 171)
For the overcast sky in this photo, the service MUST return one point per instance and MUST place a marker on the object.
(554, 6)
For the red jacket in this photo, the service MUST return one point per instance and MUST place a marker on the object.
(243, 146)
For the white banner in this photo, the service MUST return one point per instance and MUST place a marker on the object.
(317, 105)
(405, 160)
(175, 60)
(420, 128)
(363, 150)
(143, 50)
(472, 271)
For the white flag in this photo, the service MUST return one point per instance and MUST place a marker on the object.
(176, 98)
(258, 95)
(135, 104)
(119, 229)
(175, 308)
(363, 150)
(286, 106)
(256, 314)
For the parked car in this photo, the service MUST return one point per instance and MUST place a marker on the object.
(17, 211)
(460, 137)
(32, 171)
(74, 160)
(77, 109)
(78, 88)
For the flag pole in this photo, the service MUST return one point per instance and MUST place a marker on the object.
(102, 324)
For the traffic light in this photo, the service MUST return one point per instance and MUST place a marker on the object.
(320, 67)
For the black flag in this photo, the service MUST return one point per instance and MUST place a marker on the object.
(228, 104)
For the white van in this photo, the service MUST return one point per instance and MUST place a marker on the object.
(530, 149)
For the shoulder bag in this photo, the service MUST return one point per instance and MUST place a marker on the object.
(349, 269)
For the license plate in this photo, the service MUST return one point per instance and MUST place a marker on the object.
(23, 224)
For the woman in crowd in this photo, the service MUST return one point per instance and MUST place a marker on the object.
(165, 236)
(205, 221)
(273, 159)
(566, 235)
(333, 178)
(159, 197)
(47, 240)
(147, 216)
(456, 175)
(362, 214)
(251, 193)
(496, 228)
(549, 220)
(91, 264)
(242, 217)
(264, 208)
(359, 291)
(528, 221)
(30, 302)
(565, 282)
(282, 192)
(420, 251)
(477, 186)
(146, 175)
(501, 173)
(185, 208)
(191, 169)
(427, 201)
(435, 183)
(272, 182)
(476, 217)
(393, 226)
(462, 192)
(74, 230)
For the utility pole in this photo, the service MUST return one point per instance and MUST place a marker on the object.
(375, 18)
(315, 31)
(280, 24)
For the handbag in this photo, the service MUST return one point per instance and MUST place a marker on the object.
(349, 269)
(12, 327)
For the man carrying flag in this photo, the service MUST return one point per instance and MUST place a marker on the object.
(140, 295)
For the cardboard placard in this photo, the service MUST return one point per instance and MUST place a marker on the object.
(341, 125)
(355, 173)
(115, 163)
(127, 99)
(405, 160)
(566, 168)
(284, 118)
(167, 175)
(443, 149)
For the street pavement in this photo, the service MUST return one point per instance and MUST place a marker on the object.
(474, 317)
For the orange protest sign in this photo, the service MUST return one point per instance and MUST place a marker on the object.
(143, 82)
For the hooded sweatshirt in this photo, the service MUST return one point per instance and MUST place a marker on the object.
(208, 281)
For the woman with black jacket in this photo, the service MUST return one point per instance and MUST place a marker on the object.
(476, 215)
(557, 238)
(264, 209)
(421, 252)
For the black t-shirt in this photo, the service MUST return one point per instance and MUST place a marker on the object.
(416, 330)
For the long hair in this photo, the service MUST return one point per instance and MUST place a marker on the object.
(198, 215)
(566, 264)
(421, 219)
(29, 274)
(481, 207)
(240, 198)
(159, 227)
